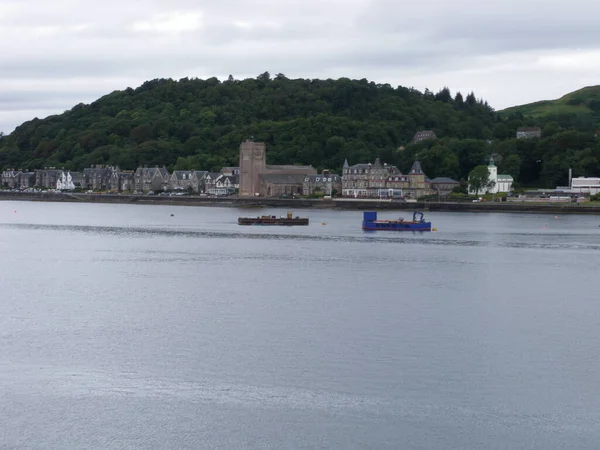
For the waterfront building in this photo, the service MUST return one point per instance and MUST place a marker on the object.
(224, 185)
(382, 180)
(585, 185)
(17, 179)
(184, 180)
(47, 178)
(366, 180)
(324, 183)
(256, 178)
(101, 178)
(126, 180)
(443, 185)
(151, 179)
(498, 182)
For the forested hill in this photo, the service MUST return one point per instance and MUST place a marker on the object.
(193, 123)
(319, 122)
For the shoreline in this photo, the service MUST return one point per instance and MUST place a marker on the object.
(293, 204)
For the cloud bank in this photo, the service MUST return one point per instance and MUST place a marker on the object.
(57, 54)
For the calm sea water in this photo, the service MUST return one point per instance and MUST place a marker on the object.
(122, 327)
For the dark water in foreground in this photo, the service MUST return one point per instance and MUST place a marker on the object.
(122, 328)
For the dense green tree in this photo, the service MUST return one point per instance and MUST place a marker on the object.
(511, 165)
(444, 95)
(500, 131)
(479, 179)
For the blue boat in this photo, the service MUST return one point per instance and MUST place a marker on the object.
(370, 223)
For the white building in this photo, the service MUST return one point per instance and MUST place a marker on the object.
(498, 183)
(529, 133)
(65, 182)
(585, 185)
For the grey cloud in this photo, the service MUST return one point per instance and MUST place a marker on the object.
(490, 26)
(15, 100)
(429, 43)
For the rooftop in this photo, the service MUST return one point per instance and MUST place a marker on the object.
(425, 134)
(443, 180)
(277, 178)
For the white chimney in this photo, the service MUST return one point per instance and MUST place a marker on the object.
(570, 178)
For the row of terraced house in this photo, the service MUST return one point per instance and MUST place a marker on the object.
(253, 178)
(113, 179)
(364, 180)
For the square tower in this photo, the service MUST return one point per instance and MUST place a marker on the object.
(253, 157)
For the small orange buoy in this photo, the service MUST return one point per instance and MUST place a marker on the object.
(434, 229)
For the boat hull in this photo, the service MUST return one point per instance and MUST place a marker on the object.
(383, 225)
(371, 223)
(272, 222)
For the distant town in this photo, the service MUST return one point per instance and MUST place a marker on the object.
(254, 178)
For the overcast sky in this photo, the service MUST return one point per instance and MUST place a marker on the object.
(55, 54)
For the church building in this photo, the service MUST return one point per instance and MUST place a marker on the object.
(259, 179)
(498, 183)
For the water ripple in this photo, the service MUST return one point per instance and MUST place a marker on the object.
(518, 241)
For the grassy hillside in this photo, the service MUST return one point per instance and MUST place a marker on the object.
(584, 103)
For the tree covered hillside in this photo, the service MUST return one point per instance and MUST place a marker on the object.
(194, 123)
(319, 122)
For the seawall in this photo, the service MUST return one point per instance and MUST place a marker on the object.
(292, 204)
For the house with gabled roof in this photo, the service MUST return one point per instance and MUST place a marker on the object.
(9, 178)
(224, 185)
(210, 181)
(423, 136)
(26, 180)
(443, 185)
(47, 177)
(384, 180)
(325, 183)
(366, 180)
(17, 179)
(151, 179)
(201, 176)
(184, 180)
(126, 180)
(100, 178)
(529, 133)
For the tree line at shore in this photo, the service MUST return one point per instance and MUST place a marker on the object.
(199, 124)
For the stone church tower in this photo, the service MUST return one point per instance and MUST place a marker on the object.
(253, 159)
